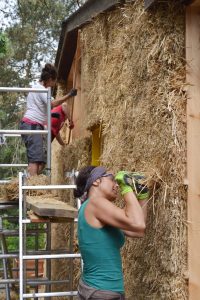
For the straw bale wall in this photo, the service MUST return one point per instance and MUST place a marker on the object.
(133, 77)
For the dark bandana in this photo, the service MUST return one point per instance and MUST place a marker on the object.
(94, 175)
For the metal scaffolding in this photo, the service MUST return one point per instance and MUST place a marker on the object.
(23, 256)
(47, 132)
(21, 282)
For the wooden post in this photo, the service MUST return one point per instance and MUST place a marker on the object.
(71, 114)
(193, 146)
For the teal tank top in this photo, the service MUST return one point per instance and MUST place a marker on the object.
(100, 251)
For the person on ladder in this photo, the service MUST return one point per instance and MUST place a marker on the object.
(102, 227)
(35, 118)
(59, 115)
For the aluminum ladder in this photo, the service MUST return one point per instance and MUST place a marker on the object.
(23, 220)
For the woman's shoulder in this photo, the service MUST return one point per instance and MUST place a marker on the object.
(37, 85)
(98, 201)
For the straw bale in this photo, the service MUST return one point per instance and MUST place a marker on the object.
(77, 154)
(38, 180)
(10, 191)
(134, 77)
(13, 295)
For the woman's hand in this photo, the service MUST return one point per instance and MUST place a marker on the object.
(73, 92)
(71, 124)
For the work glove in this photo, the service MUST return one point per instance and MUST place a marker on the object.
(73, 92)
(132, 181)
(124, 188)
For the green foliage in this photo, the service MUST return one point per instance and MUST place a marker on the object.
(5, 46)
(34, 28)
(13, 242)
(13, 151)
(35, 32)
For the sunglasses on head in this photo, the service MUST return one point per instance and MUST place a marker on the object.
(108, 175)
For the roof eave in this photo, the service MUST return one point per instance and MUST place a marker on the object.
(150, 3)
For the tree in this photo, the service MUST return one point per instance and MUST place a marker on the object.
(5, 48)
(35, 31)
(30, 39)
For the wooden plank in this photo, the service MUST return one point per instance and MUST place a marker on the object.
(51, 207)
(79, 111)
(39, 219)
(36, 219)
(193, 147)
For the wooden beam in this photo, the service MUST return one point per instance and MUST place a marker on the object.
(150, 3)
(193, 147)
(65, 57)
(195, 3)
(88, 11)
(186, 2)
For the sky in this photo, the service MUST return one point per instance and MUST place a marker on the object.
(5, 6)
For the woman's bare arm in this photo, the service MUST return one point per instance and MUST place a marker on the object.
(131, 218)
(143, 204)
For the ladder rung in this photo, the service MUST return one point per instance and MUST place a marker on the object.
(48, 187)
(26, 257)
(23, 90)
(8, 256)
(4, 181)
(30, 232)
(35, 281)
(43, 252)
(6, 206)
(26, 221)
(13, 165)
(44, 281)
(52, 294)
(34, 252)
(29, 132)
(6, 281)
(12, 135)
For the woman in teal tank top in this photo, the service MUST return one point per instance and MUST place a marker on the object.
(102, 227)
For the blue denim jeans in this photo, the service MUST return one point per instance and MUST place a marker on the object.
(35, 144)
